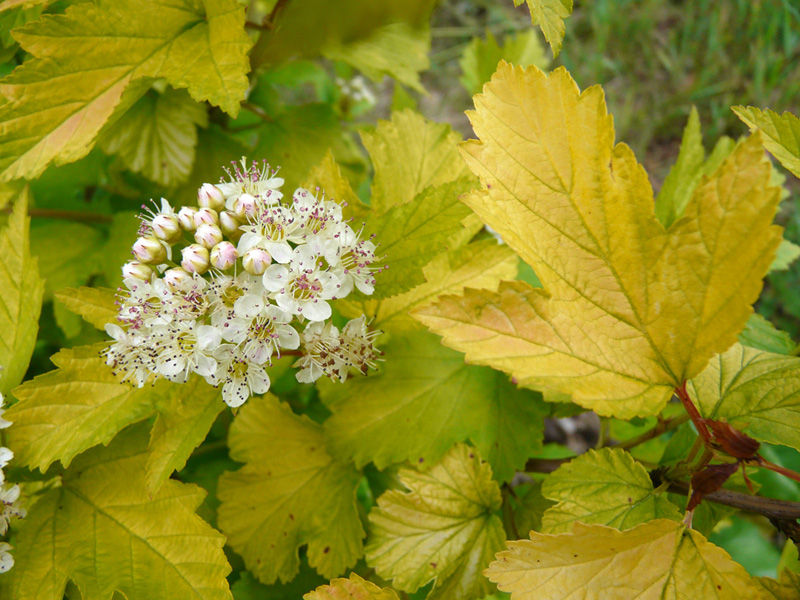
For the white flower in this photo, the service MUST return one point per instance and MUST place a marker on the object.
(302, 288)
(264, 333)
(257, 181)
(270, 229)
(125, 355)
(355, 264)
(319, 342)
(242, 379)
(6, 560)
(9, 507)
(184, 349)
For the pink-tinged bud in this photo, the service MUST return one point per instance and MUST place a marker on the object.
(177, 278)
(167, 228)
(255, 261)
(149, 250)
(186, 218)
(195, 259)
(223, 255)
(206, 216)
(245, 206)
(208, 235)
(229, 223)
(210, 196)
(137, 270)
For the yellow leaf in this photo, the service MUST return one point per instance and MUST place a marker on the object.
(656, 560)
(329, 178)
(781, 133)
(550, 15)
(95, 305)
(628, 310)
(353, 588)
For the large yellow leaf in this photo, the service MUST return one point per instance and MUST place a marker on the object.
(656, 560)
(629, 310)
(352, 588)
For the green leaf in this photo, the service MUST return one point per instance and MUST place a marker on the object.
(423, 401)
(410, 235)
(550, 15)
(290, 492)
(101, 529)
(409, 154)
(95, 305)
(781, 133)
(85, 59)
(397, 49)
(116, 250)
(353, 588)
(443, 528)
(249, 588)
(787, 253)
(480, 57)
(530, 507)
(157, 136)
(66, 253)
(77, 406)
(760, 333)
(185, 415)
(754, 391)
(21, 297)
(655, 560)
(607, 487)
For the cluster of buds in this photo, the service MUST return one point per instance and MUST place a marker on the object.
(222, 288)
(9, 501)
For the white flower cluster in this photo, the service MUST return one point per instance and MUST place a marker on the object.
(253, 282)
(9, 500)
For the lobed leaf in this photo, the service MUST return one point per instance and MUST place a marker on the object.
(95, 305)
(655, 560)
(352, 588)
(781, 133)
(629, 310)
(289, 492)
(443, 528)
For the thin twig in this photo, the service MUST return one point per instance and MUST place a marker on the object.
(660, 428)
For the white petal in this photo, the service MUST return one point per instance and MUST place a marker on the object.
(259, 380)
(235, 393)
(316, 310)
(205, 365)
(247, 241)
(248, 306)
(275, 277)
(281, 252)
(288, 338)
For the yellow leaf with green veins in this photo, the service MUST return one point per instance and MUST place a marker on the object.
(604, 486)
(290, 492)
(655, 560)
(21, 296)
(95, 305)
(444, 528)
(628, 310)
(102, 530)
(157, 136)
(352, 588)
(410, 153)
(85, 59)
(755, 391)
(781, 133)
(550, 15)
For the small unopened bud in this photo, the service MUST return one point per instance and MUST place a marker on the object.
(229, 223)
(208, 235)
(149, 249)
(206, 215)
(245, 206)
(176, 278)
(186, 218)
(223, 255)
(256, 260)
(137, 270)
(166, 227)
(195, 258)
(210, 196)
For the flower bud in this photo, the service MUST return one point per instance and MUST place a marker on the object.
(229, 223)
(245, 206)
(149, 249)
(166, 227)
(195, 258)
(256, 260)
(176, 278)
(210, 196)
(186, 218)
(223, 255)
(208, 235)
(207, 216)
(136, 269)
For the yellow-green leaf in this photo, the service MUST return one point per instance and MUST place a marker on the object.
(328, 177)
(290, 492)
(95, 305)
(787, 253)
(66, 253)
(423, 401)
(85, 59)
(20, 299)
(781, 133)
(443, 528)
(550, 15)
(157, 136)
(604, 486)
(655, 560)
(409, 154)
(628, 310)
(102, 530)
(77, 406)
(755, 391)
(760, 333)
(352, 588)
